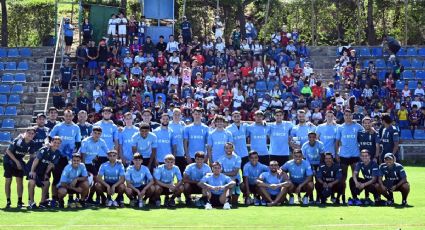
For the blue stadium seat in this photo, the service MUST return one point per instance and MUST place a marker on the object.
(408, 75)
(208, 75)
(3, 53)
(260, 94)
(124, 51)
(8, 124)
(164, 98)
(412, 84)
(399, 85)
(364, 52)
(381, 75)
(10, 111)
(406, 134)
(291, 64)
(365, 64)
(4, 89)
(421, 52)
(419, 134)
(14, 99)
(12, 53)
(417, 64)
(405, 63)
(411, 51)
(1, 110)
(261, 86)
(25, 52)
(420, 74)
(17, 89)
(20, 78)
(270, 84)
(377, 51)
(23, 65)
(10, 66)
(402, 52)
(147, 94)
(7, 78)
(5, 137)
(1, 66)
(286, 95)
(3, 99)
(380, 63)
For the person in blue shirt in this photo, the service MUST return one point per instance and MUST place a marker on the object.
(326, 132)
(110, 179)
(299, 133)
(217, 139)
(177, 125)
(73, 180)
(39, 174)
(250, 173)
(239, 133)
(369, 182)
(257, 134)
(139, 181)
(300, 175)
(395, 180)
(231, 164)
(272, 186)
(69, 35)
(195, 136)
(164, 182)
(216, 187)
(109, 130)
(328, 180)
(85, 127)
(193, 174)
(313, 151)
(348, 146)
(165, 139)
(369, 139)
(125, 139)
(145, 143)
(279, 133)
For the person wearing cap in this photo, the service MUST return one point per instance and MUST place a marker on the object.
(347, 146)
(328, 180)
(272, 186)
(186, 30)
(70, 134)
(165, 139)
(299, 132)
(73, 180)
(395, 180)
(389, 137)
(110, 179)
(369, 139)
(217, 139)
(195, 136)
(257, 133)
(139, 181)
(68, 35)
(164, 177)
(125, 139)
(369, 182)
(326, 132)
(238, 130)
(279, 134)
(109, 129)
(145, 143)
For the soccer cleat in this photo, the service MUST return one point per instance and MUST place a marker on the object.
(357, 202)
(368, 202)
(71, 204)
(53, 203)
(20, 205)
(246, 201)
(166, 201)
(226, 206)
(257, 202)
(350, 202)
(404, 203)
(390, 202)
(158, 203)
(141, 204)
(61, 204)
(133, 202)
(8, 204)
(208, 206)
(291, 200)
(109, 203)
(115, 203)
(305, 200)
(263, 202)
(172, 203)
(78, 205)
(189, 202)
(44, 204)
(31, 205)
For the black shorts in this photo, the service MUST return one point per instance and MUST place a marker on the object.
(244, 160)
(140, 188)
(57, 171)
(10, 170)
(253, 188)
(215, 200)
(349, 160)
(264, 159)
(195, 189)
(65, 85)
(297, 184)
(68, 40)
(91, 168)
(181, 163)
(280, 159)
(39, 180)
(100, 161)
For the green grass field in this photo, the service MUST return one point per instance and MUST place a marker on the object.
(283, 217)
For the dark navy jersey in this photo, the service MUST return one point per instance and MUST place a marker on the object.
(368, 171)
(50, 124)
(46, 156)
(41, 133)
(66, 73)
(388, 137)
(329, 174)
(368, 141)
(86, 130)
(19, 148)
(392, 175)
(185, 27)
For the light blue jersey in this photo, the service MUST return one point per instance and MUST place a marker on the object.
(300, 132)
(270, 178)
(239, 138)
(145, 145)
(219, 180)
(165, 140)
(69, 173)
(178, 133)
(125, 139)
(231, 163)
(90, 149)
(327, 135)
(253, 172)
(197, 136)
(138, 177)
(217, 139)
(313, 153)
(111, 173)
(297, 172)
(70, 134)
(109, 133)
(347, 135)
(165, 175)
(195, 173)
(279, 138)
(258, 137)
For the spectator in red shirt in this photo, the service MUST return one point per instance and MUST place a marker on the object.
(288, 81)
(225, 99)
(297, 71)
(317, 90)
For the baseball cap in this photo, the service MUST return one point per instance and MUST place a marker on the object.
(41, 115)
(389, 155)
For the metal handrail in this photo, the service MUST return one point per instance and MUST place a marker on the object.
(59, 42)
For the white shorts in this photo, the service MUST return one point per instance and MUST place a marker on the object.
(112, 29)
(122, 30)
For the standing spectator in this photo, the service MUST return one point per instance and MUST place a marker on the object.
(236, 38)
(132, 29)
(69, 35)
(122, 29)
(186, 30)
(57, 93)
(87, 30)
(218, 28)
(112, 26)
(141, 31)
(250, 31)
(81, 55)
(66, 75)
